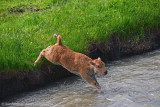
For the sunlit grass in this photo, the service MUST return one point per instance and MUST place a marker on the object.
(23, 34)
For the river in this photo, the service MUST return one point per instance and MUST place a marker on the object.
(131, 82)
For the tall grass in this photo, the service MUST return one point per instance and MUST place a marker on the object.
(23, 34)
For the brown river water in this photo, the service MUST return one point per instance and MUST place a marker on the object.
(131, 82)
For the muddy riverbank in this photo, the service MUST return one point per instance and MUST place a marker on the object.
(16, 82)
(116, 49)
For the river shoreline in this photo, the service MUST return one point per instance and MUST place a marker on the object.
(12, 83)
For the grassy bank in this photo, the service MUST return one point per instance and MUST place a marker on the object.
(26, 27)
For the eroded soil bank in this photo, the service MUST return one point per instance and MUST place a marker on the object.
(16, 82)
(116, 49)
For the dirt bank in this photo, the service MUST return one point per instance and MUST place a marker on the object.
(116, 49)
(16, 82)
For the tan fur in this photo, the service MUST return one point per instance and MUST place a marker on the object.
(75, 62)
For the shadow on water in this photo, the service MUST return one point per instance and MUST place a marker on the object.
(130, 82)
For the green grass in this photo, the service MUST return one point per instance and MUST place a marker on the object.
(27, 26)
